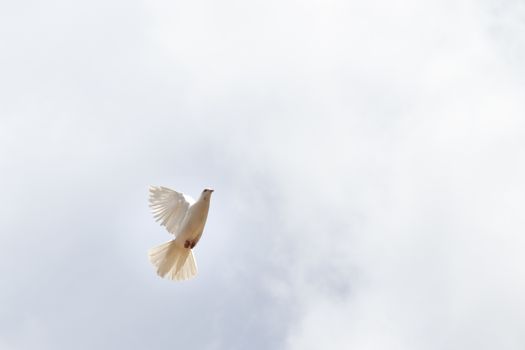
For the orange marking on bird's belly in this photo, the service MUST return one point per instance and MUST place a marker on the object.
(190, 244)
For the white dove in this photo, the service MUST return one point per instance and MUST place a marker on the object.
(185, 218)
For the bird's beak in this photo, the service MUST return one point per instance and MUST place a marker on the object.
(212, 191)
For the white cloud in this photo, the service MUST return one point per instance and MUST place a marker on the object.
(366, 158)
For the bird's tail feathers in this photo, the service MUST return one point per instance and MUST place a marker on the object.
(173, 262)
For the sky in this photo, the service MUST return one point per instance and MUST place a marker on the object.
(367, 161)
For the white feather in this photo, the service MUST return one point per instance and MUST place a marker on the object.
(173, 261)
(169, 207)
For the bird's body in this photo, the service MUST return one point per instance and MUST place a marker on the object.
(193, 224)
(185, 218)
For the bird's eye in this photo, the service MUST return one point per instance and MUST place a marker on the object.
(205, 190)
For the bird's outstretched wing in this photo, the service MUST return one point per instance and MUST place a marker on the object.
(169, 207)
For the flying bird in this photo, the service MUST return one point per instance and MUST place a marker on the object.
(185, 219)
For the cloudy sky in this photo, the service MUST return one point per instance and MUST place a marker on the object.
(367, 158)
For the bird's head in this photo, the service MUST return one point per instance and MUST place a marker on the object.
(206, 193)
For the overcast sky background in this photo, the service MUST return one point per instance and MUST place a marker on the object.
(367, 156)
